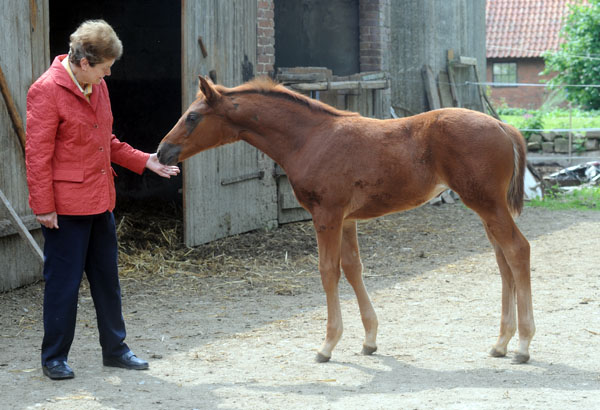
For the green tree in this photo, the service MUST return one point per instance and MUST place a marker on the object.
(578, 60)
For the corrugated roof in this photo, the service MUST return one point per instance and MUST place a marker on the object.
(523, 28)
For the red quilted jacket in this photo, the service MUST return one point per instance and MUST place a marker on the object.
(70, 147)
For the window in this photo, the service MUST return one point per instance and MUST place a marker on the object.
(504, 73)
(315, 33)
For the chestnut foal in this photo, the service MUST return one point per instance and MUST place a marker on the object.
(344, 167)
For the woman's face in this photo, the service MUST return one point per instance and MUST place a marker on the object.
(93, 75)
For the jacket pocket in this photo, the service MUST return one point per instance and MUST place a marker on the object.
(70, 175)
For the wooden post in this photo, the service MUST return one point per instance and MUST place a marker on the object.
(23, 231)
(12, 110)
(430, 88)
(453, 91)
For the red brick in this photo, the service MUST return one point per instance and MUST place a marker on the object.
(267, 14)
(266, 23)
(370, 53)
(265, 32)
(265, 5)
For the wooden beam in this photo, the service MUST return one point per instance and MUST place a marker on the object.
(341, 85)
(22, 230)
(462, 61)
(444, 89)
(301, 77)
(453, 90)
(431, 90)
(8, 228)
(12, 110)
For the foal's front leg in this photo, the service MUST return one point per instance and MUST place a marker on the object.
(353, 268)
(329, 234)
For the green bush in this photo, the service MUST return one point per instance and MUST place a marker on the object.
(575, 62)
(532, 122)
(512, 111)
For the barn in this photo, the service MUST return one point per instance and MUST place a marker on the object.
(377, 57)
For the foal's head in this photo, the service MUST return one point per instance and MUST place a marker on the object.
(219, 115)
(203, 126)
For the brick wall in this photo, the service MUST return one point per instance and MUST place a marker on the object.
(520, 97)
(265, 38)
(374, 34)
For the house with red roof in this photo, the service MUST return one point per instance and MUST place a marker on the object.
(518, 32)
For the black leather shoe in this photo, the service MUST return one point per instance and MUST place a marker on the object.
(126, 361)
(58, 370)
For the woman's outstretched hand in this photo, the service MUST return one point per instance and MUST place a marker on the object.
(165, 171)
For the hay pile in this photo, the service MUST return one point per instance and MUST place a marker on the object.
(283, 261)
(152, 253)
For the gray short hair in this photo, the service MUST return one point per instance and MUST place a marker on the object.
(96, 41)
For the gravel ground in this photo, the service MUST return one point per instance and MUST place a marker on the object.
(235, 324)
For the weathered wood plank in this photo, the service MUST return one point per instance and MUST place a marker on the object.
(341, 85)
(430, 88)
(223, 194)
(15, 117)
(25, 56)
(444, 89)
(301, 77)
(21, 229)
(8, 228)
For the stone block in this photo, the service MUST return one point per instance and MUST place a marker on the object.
(591, 144)
(549, 136)
(561, 145)
(547, 147)
(535, 138)
(592, 134)
(534, 146)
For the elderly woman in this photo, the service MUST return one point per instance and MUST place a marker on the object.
(69, 150)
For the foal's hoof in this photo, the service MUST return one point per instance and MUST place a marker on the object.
(368, 350)
(322, 358)
(520, 358)
(497, 353)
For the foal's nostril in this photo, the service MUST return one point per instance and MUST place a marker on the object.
(168, 154)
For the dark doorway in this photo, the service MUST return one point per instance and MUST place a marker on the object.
(314, 33)
(145, 85)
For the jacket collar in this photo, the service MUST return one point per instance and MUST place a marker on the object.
(62, 78)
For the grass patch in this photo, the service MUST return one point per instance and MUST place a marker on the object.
(559, 118)
(556, 199)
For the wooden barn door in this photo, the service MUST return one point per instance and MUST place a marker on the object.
(231, 189)
(24, 56)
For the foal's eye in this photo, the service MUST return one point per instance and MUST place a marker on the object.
(192, 117)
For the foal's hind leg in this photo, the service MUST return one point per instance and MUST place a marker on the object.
(508, 321)
(516, 253)
(352, 267)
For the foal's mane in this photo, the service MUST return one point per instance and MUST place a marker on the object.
(269, 88)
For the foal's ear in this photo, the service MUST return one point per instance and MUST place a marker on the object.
(207, 88)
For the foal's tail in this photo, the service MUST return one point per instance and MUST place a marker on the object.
(515, 193)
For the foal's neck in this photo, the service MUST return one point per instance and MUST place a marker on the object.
(279, 130)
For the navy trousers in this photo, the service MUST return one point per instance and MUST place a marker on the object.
(82, 243)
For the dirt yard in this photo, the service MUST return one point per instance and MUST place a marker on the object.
(236, 324)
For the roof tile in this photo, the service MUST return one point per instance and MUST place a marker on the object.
(524, 28)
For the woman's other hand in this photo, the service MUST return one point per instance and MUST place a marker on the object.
(50, 220)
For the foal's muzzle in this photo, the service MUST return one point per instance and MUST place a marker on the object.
(168, 154)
